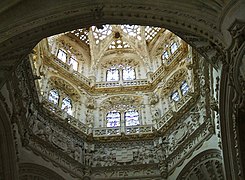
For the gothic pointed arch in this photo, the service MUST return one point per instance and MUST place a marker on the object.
(8, 156)
(207, 164)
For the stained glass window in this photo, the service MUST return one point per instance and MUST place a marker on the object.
(128, 73)
(112, 74)
(73, 63)
(165, 55)
(184, 88)
(66, 105)
(54, 96)
(113, 119)
(62, 55)
(132, 118)
(175, 96)
(173, 47)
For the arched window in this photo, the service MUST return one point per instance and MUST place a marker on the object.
(175, 96)
(173, 47)
(165, 55)
(62, 55)
(128, 73)
(113, 119)
(184, 88)
(73, 62)
(54, 96)
(132, 118)
(112, 74)
(67, 105)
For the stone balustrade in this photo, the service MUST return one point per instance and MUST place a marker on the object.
(115, 131)
(65, 116)
(129, 130)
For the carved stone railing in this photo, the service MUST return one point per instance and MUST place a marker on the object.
(50, 58)
(129, 130)
(177, 107)
(185, 99)
(65, 116)
(115, 131)
(53, 108)
(107, 84)
(60, 63)
(158, 72)
(81, 77)
(137, 82)
(164, 119)
(79, 125)
(176, 56)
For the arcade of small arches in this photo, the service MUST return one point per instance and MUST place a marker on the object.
(122, 101)
(168, 57)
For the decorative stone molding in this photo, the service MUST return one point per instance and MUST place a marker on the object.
(207, 164)
(210, 50)
(231, 103)
(55, 132)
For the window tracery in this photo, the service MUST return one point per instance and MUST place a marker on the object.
(82, 34)
(184, 88)
(175, 96)
(73, 62)
(54, 96)
(169, 51)
(62, 55)
(117, 72)
(67, 105)
(100, 33)
(182, 91)
(173, 47)
(68, 58)
(151, 32)
(132, 118)
(118, 44)
(128, 73)
(165, 55)
(113, 119)
(132, 30)
(121, 67)
(112, 74)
